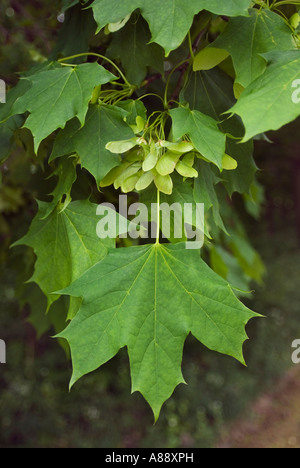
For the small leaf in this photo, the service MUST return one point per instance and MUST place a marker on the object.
(229, 163)
(135, 109)
(209, 58)
(104, 123)
(56, 96)
(203, 132)
(125, 304)
(66, 173)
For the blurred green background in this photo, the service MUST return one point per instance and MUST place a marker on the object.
(36, 409)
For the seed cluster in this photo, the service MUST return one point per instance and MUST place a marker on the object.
(145, 162)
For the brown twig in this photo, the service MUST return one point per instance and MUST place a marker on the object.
(177, 90)
(150, 80)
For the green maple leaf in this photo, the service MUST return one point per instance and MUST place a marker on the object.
(227, 266)
(203, 132)
(134, 109)
(21, 88)
(65, 244)
(240, 180)
(56, 317)
(66, 173)
(12, 96)
(56, 96)
(7, 131)
(74, 37)
(211, 92)
(248, 258)
(103, 124)
(246, 39)
(205, 192)
(125, 303)
(267, 103)
(131, 46)
(169, 20)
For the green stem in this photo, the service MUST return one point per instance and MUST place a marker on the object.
(169, 80)
(102, 57)
(191, 46)
(286, 2)
(262, 4)
(150, 94)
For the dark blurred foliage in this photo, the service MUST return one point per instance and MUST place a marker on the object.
(36, 409)
(33, 23)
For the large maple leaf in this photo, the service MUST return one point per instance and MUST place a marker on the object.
(169, 20)
(149, 298)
